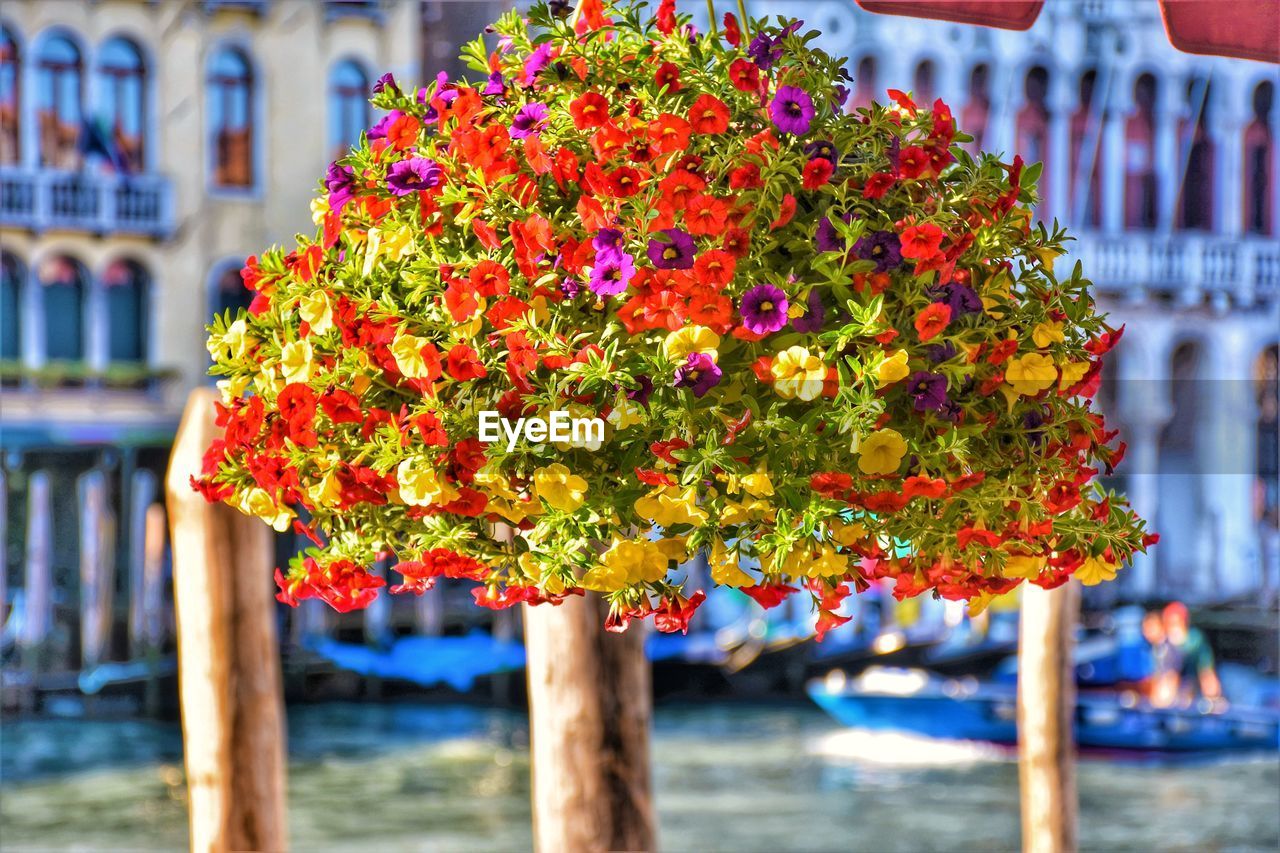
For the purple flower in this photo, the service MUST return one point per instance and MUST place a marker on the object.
(611, 274)
(882, 247)
(379, 130)
(929, 390)
(699, 372)
(536, 62)
(811, 322)
(1031, 423)
(823, 148)
(764, 51)
(764, 309)
(961, 298)
(938, 353)
(416, 173)
(570, 287)
(792, 110)
(838, 98)
(827, 237)
(496, 85)
(641, 394)
(340, 182)
(386, 81)
(674, 253)
(529, 121)
(608, 241)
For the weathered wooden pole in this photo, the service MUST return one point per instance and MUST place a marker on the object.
(590, 708)
(1046, 708)
(228, 658)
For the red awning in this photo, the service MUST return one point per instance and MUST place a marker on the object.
(1247, 29)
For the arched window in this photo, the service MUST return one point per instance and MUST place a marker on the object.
(348, 105)
(922, 84)
(1086, 153)
(125, 285)
(977, 107)
(10, 98)
(1267, 384)
(864, 83)
(1259, 179)
(122, 92)
(1140, 185)
(12, 280)
(1196, 208)
(59, 98)
(64, 284)
(1033, 125)
(228, 290)
(230, 88)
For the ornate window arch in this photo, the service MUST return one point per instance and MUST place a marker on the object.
(13, 283)
(1259, 169)
(59, 67)
(126, 295)
(10, 97)
(122, 99)
(1141, 184)
(230, 86)
(349, 111)
(63, 294)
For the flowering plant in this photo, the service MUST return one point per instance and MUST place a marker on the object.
(829, 346)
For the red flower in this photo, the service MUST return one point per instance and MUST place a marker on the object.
(923, 487)
(817, 172)
(668, 75)
(706, 215)
(785, 212)
(768, 595)
(921, 241)
(878, 184)
(732, 33)
(490, 278)
(589, 110)
(666, 17)
(670, 133)
(828, 620)
(403, 132)
(886, 501)
(1062, 496)
(709, 115)
(831, 484)
(674, 613)
(986, 538)
(913, 162)
(744, 75)
(932, 319)
(463, 363)
(902, 99)
(715, 267)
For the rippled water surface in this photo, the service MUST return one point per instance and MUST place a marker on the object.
(401, 777)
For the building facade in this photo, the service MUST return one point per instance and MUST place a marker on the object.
(146, 149)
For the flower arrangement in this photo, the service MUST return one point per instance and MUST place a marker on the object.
(828, 345)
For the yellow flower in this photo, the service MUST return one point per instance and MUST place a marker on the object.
(315, 310)
(626, 562)
(667, 506)
(319, 209)
(232, 388)
(420, 485)
(236, 341)
(295, 362)
(674, 548)
(1046, 334)
(881, 452)
(625, 413)
(758, 485)
(1023, 566)
(1031, 373)
(1095, 570)
(824, 562)
(257, 502)
(560, 488)
(846, 532)
(736, 512)
(892, 369)
(407, 351)
(690, 339)
(326, 491)
(798, 373)
(724, 567)
(1072, 372)
(397, 245)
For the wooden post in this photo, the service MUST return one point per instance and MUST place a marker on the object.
(228, 657)
(1046, 709)
(590, 708)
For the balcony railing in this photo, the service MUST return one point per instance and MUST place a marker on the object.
(45, 199)
(1188, 268)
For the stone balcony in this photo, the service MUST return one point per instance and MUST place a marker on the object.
(1185, 268)
(49, 200)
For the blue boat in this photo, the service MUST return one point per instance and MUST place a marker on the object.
(916, 702)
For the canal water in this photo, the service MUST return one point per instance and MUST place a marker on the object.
(399, 777)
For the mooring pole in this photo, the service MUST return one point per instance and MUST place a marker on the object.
(1046, 709)
(228, 657)
(590, 709)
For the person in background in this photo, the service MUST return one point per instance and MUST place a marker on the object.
(1191, 659)
(1161, 681)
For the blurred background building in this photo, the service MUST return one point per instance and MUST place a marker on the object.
(148, 147)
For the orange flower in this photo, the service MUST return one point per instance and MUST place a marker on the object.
(589, 110)
(670, 133)
(932, 320)
(709, 115)
(706, 215)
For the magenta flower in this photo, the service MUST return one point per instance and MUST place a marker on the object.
(674, 253)
(699, 373)
(764, 309)
(529, 121)
(611, 274)
(413, 174)
(792, 110)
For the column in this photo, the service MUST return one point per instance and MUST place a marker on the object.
(37, 617)
(1169, 110)
(1144, 406)
(1229, 116)
(1113, 154)
(142, 494)
(1057, 175)
(97, 564)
